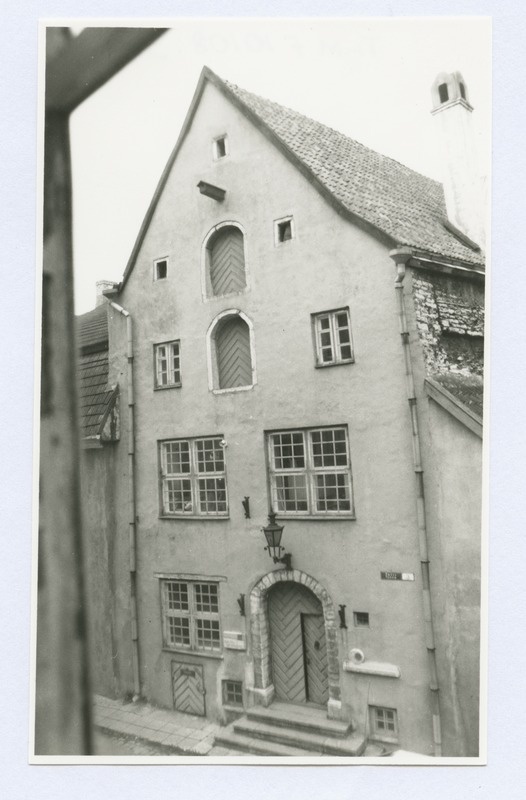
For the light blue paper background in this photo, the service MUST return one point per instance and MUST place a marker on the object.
(505, 773)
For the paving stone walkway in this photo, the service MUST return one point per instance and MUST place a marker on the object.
(170, 731)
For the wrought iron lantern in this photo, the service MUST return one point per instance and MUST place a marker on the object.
(273, 533)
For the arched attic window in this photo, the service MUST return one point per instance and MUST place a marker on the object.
(443, 93)
(225, 261)
(231, 352)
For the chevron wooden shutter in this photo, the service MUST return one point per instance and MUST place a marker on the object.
(234, 361)
(227, 262)
(188, 688)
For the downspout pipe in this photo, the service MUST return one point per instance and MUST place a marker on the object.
(132, 512)
(401, 257)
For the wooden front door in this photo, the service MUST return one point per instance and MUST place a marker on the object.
(188, 688)
(293, 643)
(315, 658)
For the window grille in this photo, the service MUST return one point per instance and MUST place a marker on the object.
(310, 472)
(167, 364)
(332, 331)
(190, 613)
(193, 479)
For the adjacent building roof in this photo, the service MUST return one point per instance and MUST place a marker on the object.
(396, 203)
(461, 395)
(96, 398)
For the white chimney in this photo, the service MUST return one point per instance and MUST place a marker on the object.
(462, 182)
(101, 287)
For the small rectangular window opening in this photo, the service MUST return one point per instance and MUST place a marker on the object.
(284, 230)
(384, 722)
(361, 619)
(220, 147)
(160, 269)
(233, 693)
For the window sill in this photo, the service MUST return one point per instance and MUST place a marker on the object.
(234, 389)
(315, 517)
(169, 386)
(377, 737)
(335, 364)
(201, 517)
(193, 653)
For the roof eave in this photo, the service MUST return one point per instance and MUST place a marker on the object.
(415, 257)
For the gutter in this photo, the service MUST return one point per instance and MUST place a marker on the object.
(401, 257)
(132, 537)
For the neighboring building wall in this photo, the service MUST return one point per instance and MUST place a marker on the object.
(450, 321)
(452, 463)
(328, 264)
(453, 487)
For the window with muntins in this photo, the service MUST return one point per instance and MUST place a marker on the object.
(232, 693)
(190, 615)
(233, 354)
(332, 332)
(384, 723)
(310, 472)
(225, 253)
(193, 478)
(167, 364)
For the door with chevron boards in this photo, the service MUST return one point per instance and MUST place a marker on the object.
(293, 642)
(188, 688)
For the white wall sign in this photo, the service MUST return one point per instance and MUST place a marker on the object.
(234, 640)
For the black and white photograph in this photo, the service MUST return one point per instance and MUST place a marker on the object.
(262, 527)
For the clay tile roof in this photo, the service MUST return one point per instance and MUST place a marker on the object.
(92, 329)
(403, 204)
(468, 389)
(95, 396)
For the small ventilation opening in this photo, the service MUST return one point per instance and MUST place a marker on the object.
(361, 619)
(161, 269)
(462, 90)
(220, 148)
(284, 230)
(443, 93)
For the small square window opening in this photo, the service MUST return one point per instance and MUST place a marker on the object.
(220, 147)
(232, 693)
(361, 619)
(384, 722)
(160, 269)
(284, 230)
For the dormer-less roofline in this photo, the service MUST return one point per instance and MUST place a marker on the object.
(207, 75)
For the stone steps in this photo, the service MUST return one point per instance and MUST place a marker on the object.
(287, 730)
(301, 718)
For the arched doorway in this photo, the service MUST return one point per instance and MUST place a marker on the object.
(264, 690)
(297, 645)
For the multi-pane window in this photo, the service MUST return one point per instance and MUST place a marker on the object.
(167, 364)
(190, 612)
(310, 472)
(332, 331)
(384, 721)
(193, 479)
(232, 693)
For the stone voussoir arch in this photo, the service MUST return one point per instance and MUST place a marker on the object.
(260, 636)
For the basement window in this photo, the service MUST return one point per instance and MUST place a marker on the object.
(232, 693)
(220, 147)
(361, 619)
(160, 269)
(384, 723)
(284, 230)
